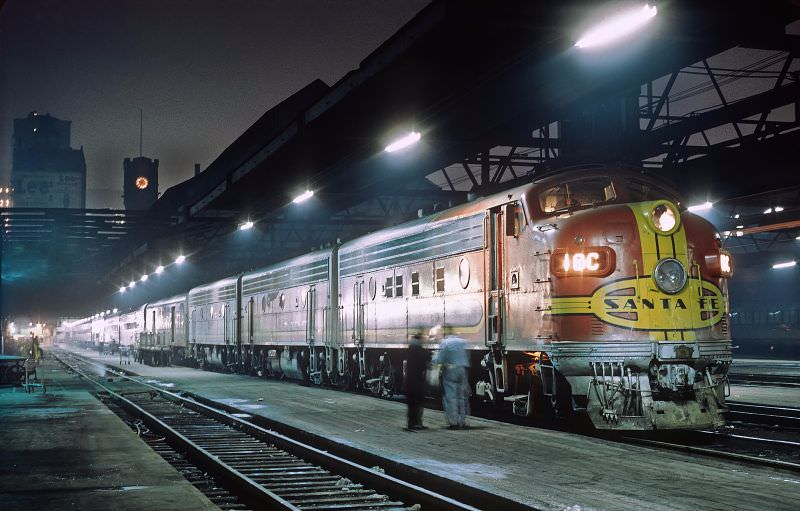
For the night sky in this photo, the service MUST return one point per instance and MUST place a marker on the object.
(202, 71)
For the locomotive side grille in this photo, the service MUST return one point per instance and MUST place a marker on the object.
(723, 324)
(598, 327)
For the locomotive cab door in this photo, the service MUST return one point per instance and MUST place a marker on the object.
(495, 295)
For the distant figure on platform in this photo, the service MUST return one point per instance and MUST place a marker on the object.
(453, 358)
(416, 367)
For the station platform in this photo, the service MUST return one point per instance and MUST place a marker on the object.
(63, 449)
(766, 394)
(544, 469)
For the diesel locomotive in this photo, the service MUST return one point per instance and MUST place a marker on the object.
(589, 290)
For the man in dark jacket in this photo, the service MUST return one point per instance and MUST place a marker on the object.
(416, 366)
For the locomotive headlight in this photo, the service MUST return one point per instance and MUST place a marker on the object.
(592, 261)
(665, 218)
(670, 276)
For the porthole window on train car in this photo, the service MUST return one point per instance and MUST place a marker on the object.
(439, 278)
(463, 272)
(415, 283)
(373, 288)
(577, 194)
(282, 301)
(388, 287)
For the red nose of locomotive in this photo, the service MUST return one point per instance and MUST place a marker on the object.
(639, 295)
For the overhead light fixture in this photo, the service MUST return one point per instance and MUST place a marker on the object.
(778, 209)
(700, 207)
(180, 259)
(787, 264)
(403, 142)
(246, 225)
(122, 289)
(132, 284)
(114, 310)
(736, 215)
(616, 27)
(303, 197)
(145, 277)
(159, 269)
(768, 211)
(108, 311)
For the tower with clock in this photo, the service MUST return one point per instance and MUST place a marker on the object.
(140, 188)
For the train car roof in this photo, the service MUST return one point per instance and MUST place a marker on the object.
(166, 301)
(304, 269)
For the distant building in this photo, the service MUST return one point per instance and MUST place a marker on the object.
(45, 171)
(140, 185)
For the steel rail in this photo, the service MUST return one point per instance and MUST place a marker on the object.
(714, 453)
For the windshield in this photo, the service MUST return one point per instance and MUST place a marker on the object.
(641, 190)
(577, 194)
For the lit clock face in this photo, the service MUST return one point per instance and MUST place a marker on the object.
(142, 182)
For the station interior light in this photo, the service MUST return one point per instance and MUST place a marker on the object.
(114, 310)
(145, 277)
(159, 269)
(122, 289)
(246, 225)
(768, 211)
(303, 197)
(616, 27)
(180, 259)
(788, 264)
(132, 284)
(403, 142)
(700, 207)
(778, 209)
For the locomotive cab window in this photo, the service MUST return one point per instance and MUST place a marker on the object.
(640, 190)
(577, 194)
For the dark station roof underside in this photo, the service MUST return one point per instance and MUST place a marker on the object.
(499, 92)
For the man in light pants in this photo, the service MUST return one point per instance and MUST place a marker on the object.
(453, 358)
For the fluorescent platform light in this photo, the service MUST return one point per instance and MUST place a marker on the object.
(159, 269)
(788, 264)
(303, 197)
(132, 284)
(700, 207)
(403, 142)
(180, 259)
(246, 225)
(145, 277)
(617, 27)
(768, 211)
(778, 209)
(122, 289)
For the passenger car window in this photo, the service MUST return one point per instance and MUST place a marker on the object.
(398, 285)
(415, 283)
(388, 287)
(439, 278)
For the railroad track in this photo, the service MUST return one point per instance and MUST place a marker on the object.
(783, 416)
(764, 380)
(257, 467)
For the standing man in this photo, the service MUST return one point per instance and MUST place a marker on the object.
(416, 366)
(452, 356)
